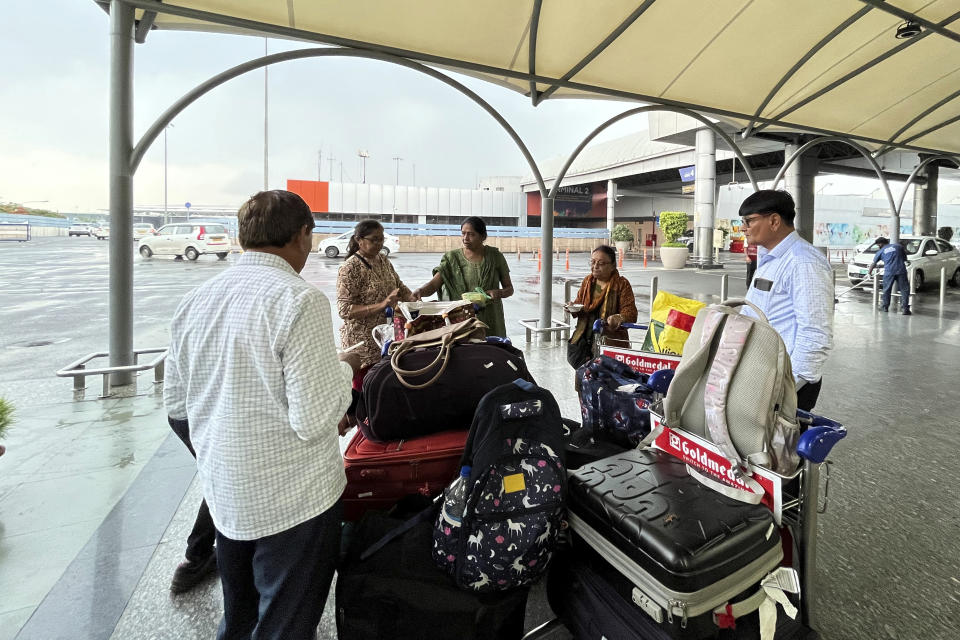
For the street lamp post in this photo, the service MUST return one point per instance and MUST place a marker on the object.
(363, 165)
(397, 159)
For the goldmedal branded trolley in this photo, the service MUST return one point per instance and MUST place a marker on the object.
(661, 555)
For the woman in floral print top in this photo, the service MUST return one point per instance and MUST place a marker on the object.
(366, 285)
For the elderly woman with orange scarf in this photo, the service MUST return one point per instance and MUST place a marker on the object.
(603, 294)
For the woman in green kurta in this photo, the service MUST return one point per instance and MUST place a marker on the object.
(474, 265)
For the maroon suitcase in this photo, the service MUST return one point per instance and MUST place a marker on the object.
(380, 473)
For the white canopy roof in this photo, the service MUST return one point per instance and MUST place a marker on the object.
(820, 65)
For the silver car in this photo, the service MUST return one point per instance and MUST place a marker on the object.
(926, 256)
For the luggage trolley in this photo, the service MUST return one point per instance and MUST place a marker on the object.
(624, 351)
(794, 500)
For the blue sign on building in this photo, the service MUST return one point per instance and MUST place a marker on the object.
(688, 174)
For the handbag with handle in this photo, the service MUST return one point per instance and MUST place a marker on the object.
(423, 317)
(433, 381)
(469, 330)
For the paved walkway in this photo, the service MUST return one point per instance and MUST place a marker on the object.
(96, 496)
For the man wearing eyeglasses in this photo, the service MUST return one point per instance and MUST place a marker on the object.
(793, 286)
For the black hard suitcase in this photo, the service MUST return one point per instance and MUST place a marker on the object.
(399, 592)
(389, 411)
(682, 548)
(590, 598)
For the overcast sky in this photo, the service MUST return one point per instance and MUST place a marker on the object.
(54, 117)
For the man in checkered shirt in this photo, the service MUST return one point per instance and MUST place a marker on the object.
(793, 286)
(253, 369)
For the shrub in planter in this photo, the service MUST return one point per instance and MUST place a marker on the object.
(673, 224)
(621, 233)
(945, 233)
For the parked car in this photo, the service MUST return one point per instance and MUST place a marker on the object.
(687, 238)
(142, 229)
(79, 229)
(926, 255)
(190, 240)
(332, 247)
(102, 232)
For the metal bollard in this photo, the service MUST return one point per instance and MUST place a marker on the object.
(724, 286)
(943, 285)
(653, 290)
(876, 290)
(567, 288)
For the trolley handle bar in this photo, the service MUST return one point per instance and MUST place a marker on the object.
(599, 325)
(820, 436)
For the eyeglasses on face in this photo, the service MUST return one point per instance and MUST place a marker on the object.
(599, 263)
(373, 239)
(749, 220)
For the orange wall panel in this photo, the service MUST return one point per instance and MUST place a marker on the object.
(316, 194)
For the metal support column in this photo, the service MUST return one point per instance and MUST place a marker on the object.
(611, 199)
(807, 544)
(799, 181)
(704, 194)
(925, 203)
(121, 189)
(546, 268)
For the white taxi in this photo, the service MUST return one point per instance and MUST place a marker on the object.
(190, 240)
(926, 255)
(332, 247)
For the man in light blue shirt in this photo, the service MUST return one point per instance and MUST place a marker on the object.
(793, 286)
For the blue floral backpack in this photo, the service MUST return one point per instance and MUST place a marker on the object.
(499, 521)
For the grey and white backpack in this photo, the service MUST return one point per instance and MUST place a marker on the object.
(735, 388)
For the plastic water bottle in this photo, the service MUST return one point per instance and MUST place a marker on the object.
(455, 498)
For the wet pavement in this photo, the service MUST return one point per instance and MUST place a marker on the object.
(96, 496)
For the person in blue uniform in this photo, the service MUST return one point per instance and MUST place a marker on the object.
(894, 260)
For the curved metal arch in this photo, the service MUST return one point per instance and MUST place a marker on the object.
(891, 145)
(626, 114)
(799, 64)
(894, 212)
(917, 170)
(173, 110)
(532, 48)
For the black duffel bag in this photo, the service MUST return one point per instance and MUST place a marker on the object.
(425, 387)
(398, 592)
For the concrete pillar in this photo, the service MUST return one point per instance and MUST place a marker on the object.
(611, 199)
(421, 219)
(705, 189)
(925, 202)
(799, 182)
